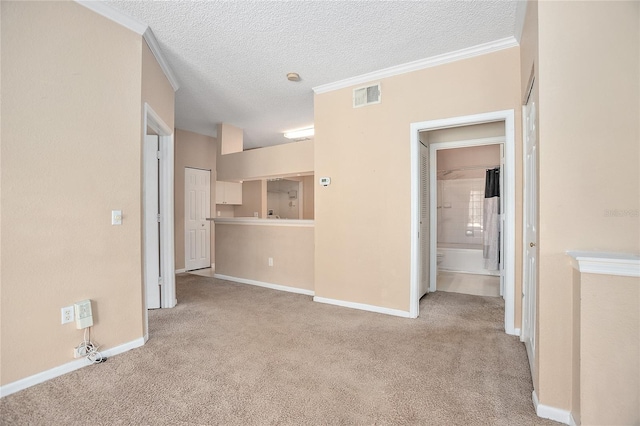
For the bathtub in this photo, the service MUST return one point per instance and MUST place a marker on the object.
(462, 258)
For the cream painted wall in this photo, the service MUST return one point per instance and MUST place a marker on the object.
(609, 349)
(280, 160)
(251, 199)
(476, 131)
(197, 151)
(473, 158)
(156, 89)
(242, 251)
(71, 152)
(308, 189)
(589, 180)
(363, 218)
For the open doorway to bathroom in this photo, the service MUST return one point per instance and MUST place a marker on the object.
(493, 128)
(467, 238)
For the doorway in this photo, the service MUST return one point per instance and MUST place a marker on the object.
(508, 173)
(157, 194)
(467, 234)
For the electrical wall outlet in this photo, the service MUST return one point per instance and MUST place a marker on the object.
(84, 315)
(271, 261)
(67, 314)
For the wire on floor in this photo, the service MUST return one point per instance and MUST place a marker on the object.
(88, 349)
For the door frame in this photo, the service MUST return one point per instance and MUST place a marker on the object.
(165, 141)
(508, 116)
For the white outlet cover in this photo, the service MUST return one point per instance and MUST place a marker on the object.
(68, 314)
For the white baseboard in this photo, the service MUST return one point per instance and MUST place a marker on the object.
(264, 284)
(516, 332)
(181, 271)
(363, 307)
(552, 413)
(38, 378)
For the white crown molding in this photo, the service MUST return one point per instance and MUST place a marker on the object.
(621, 264)
(265, 284)
(470, 52)
(115, 15)
(54, 372)
(137, 27)
(152, 42)
(363, 307)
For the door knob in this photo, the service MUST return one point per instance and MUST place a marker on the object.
(532, 244)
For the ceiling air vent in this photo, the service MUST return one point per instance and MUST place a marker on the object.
(366, 95)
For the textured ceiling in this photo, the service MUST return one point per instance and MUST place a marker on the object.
(231, 57)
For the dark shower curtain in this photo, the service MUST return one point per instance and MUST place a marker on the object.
(491, 219)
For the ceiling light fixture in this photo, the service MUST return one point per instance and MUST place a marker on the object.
(300, 134)
(293, 76)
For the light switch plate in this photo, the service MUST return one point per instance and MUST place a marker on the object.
(116, 217)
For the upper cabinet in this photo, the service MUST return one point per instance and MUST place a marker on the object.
(228, 193)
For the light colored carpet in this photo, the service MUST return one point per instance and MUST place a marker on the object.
(238, 354)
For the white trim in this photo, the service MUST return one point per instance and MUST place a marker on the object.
(621, 264)
(137, 27)
(572, 421)
(508, 116)
(265, 284)
(115, 15)
(305, 223)
(167, 243)
(363, 307)
(54, 372)
(152, 42)
(551, 413)
(469, 52)
(180, 271)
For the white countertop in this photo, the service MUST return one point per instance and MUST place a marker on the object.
(262, 222)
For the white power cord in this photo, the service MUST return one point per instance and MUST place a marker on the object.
(89, 349)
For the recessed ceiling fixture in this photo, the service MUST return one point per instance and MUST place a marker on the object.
(300, 134)
(293, 76)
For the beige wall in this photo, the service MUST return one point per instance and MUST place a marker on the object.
(156, 89)
(308, 189)
(473, 158)
(589, 77)
(476, 131)
(196, 151)
(280, 160)
(252, 199)
(242, 251)
(71, 152)
(363, 251)
(609, 350)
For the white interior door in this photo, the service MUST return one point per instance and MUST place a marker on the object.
(152, 276)
(425, 257)
(196, 211)
(530, 229)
